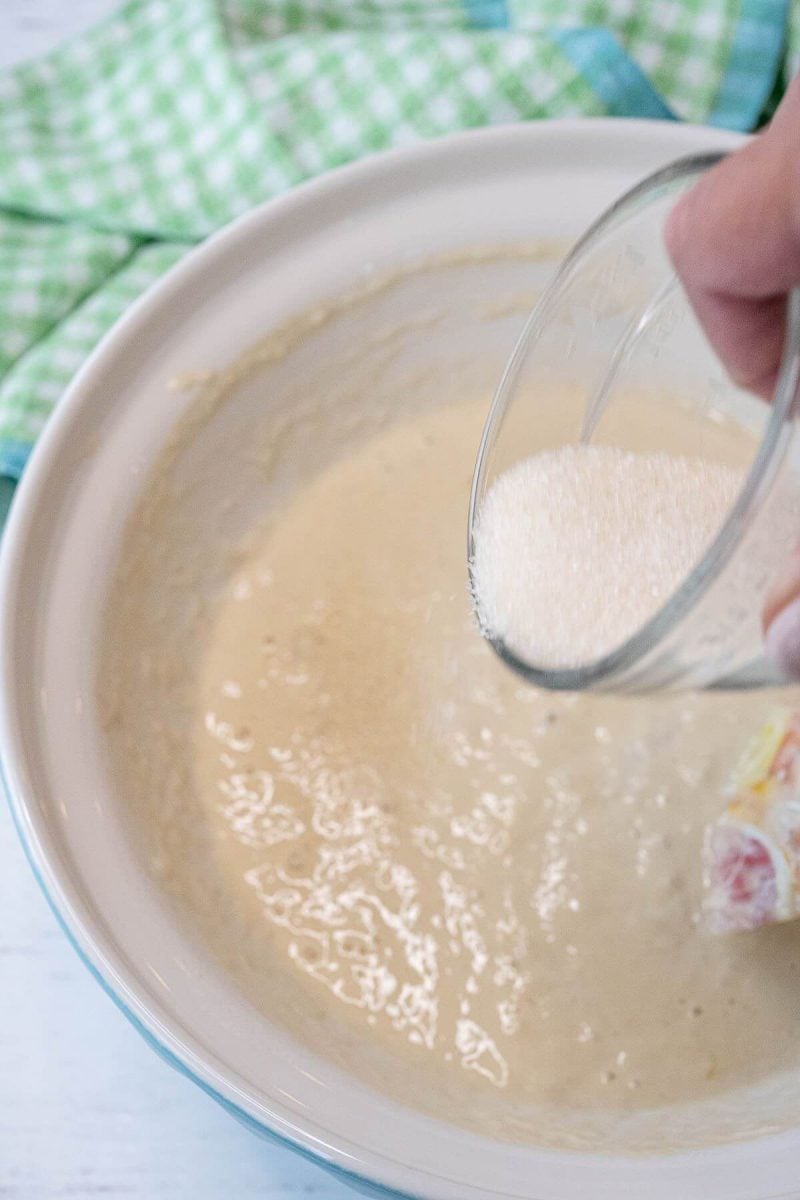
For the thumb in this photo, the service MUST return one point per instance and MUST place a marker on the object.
(781, 619)
(735, 242)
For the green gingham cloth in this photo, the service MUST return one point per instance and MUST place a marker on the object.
(139, 138)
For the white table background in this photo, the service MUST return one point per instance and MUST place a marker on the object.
(86, 1108)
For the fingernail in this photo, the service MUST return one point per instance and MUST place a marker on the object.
(782, 642)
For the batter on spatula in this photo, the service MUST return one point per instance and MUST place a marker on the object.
(751, 854)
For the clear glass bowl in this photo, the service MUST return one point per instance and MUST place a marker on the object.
(612, 341)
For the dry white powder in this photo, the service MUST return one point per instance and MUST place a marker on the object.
(576, 547)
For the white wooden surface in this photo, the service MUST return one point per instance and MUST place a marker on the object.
(86, 1109)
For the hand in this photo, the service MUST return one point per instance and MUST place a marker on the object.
(735, 242)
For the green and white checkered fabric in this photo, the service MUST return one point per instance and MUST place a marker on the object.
(141, 137)
(793, 56)
(691, 51)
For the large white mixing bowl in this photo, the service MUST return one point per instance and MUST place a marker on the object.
(503, 185)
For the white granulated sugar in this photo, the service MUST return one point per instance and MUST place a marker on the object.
(576, 548)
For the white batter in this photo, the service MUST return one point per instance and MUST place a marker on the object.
(480, 897)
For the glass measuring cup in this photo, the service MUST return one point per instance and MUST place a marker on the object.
(612, 339)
